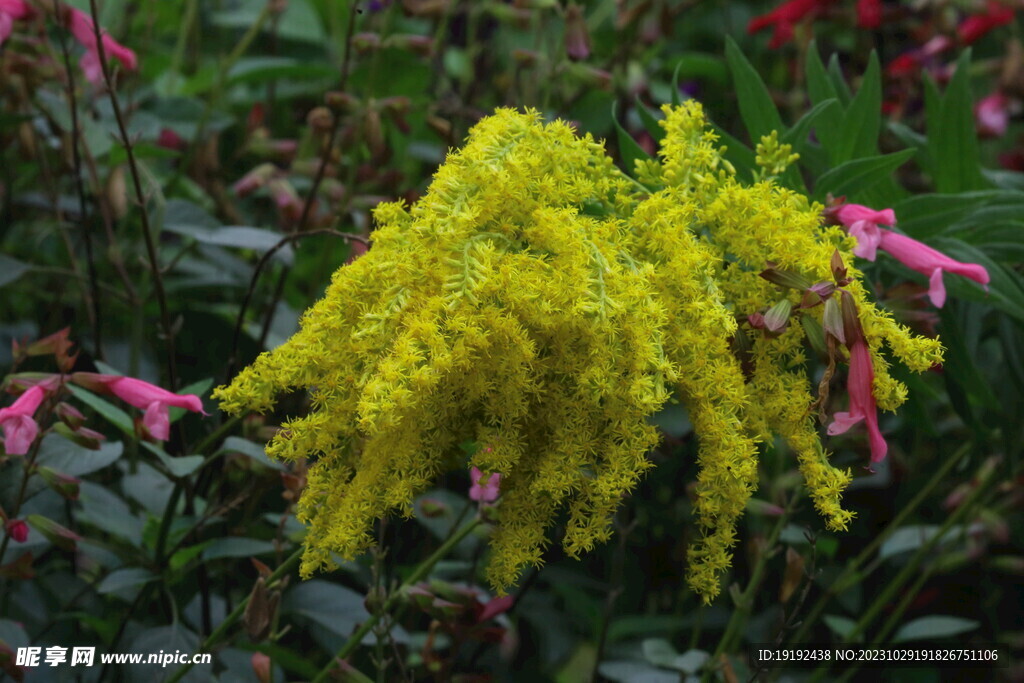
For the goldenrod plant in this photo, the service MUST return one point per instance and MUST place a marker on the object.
(539, 302)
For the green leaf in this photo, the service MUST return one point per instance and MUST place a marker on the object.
(863, 119)
(819, 86)
(69, 458)
(629, 149)
(300, 21)
(934, 627)
(658, 651)
(952, 141)
(112, 413)
(336, 608)
(236, 546)
(736, 153)
(11, 269)
(841, 626)
(106, 511)
(650, 121)
(120, 579)
(858, 175)
(236, 444)
(676, 98)
(180, 466)
(264, 69)
(797, 135)
(185, 555)
(756, 107)
(835, 75)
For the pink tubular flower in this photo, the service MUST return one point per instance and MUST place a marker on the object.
(11, 11)
(927, 261)
(869, 13)
(992, 115)
(974, 27)
(484, 489)
(20, 429)
(17, 530)
(784, 18)
(862, 400)
(82, 28)
(862, 222)
(144, 396)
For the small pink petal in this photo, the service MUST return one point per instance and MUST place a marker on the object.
(157, 421)
(19, 433)
(868, 238)
(841, 422)
(937, 288)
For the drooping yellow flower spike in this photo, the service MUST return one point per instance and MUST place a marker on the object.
(535, 302)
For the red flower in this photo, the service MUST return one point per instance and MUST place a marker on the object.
(927, 261)
(992, 115)
(862, 400)
(20, 429)
(862, 222)
(82, 28)
(869, 13)
(11, 10)
(977, 25)
(17, 530)
(784, 18)
(143, 395)
(484, 489)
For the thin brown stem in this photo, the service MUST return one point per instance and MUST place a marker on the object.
(256, 276)
(140, 198)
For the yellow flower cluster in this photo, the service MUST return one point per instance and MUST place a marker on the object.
(536, 302)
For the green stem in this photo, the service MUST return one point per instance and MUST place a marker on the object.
(745, 604)
(850, 572)
(421, 571)
(912, 568)
(237, 613)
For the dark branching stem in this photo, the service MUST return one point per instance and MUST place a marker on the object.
(321, 170)
(256, 276)
(140, 198)
(617, 588)
(93, 298)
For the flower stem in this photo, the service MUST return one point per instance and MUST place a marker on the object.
(420, 572)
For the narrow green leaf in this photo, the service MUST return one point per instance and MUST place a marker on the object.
(128, 577)
(650, 121)
(857, 175)
(825, 110)
(952, 141)
(180, 466)
(756, 107)
(931, 628)
(11, 269)
(109, 411)
(819, 87)
(629, 149)
(863, 118)
(676, 98)
(835, 75)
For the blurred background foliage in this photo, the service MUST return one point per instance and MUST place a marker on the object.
(262, 133)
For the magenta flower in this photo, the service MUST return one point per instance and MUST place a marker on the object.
(992, 115)
(11, 11)
(974, 27)
(20, 429)
(862, 400)
(82, 28)
(784, 18)
(869, 13)
(484, 489)
(927, 261)
(144, 396)
(862, 222)
(17, 530)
